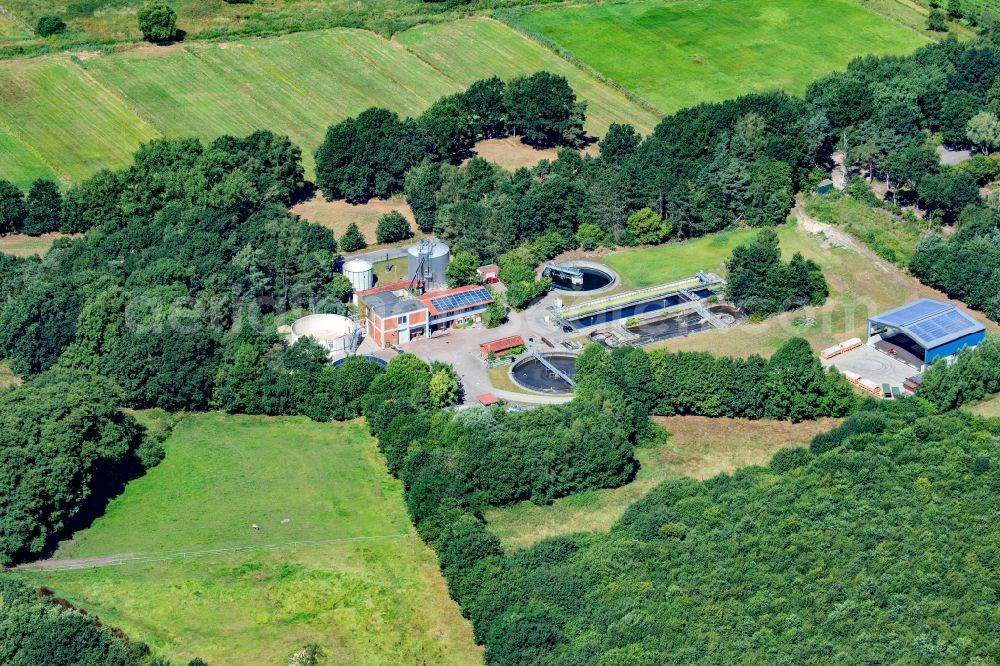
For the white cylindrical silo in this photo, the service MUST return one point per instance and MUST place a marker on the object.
(360, 273)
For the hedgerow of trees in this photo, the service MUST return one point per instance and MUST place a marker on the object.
(790, 385)
(966, 265)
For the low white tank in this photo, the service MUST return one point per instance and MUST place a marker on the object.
(360, 273)
(335, 333)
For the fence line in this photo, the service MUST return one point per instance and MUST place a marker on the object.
(111, 560)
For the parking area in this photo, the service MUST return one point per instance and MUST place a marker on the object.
(872, 364)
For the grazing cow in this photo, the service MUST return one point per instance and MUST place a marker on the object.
(256, 527)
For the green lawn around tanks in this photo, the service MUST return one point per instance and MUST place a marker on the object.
(335, 562)
(678, 54)
(645, 267)
(473, 49)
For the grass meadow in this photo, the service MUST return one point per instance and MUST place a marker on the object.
(698, 447)
(7, 377)
(678, 54)
(335, 561)
(989, 407)
(71, 116)
(893, 239)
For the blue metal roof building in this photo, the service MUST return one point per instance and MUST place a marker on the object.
(927, 329)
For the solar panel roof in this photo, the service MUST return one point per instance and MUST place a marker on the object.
(462, 299)
(930, 323)
(911, 312)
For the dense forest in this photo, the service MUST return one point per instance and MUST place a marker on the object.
(835, 553)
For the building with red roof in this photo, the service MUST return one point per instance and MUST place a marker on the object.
(501, 347)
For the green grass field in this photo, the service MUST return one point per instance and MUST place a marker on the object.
(645, 267)
(335, 562)
(471, 49)
(18, 163)
(70, 123)
(677, 54)
(698, 447)
(75, 116)
(892, 239)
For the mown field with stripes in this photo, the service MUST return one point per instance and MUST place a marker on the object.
(72, 116)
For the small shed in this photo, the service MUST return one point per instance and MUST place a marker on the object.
(489, 274)
(488, 399)
(501, 347)
(824, 186)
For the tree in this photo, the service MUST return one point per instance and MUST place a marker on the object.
(443, 388)
(368, 156)
(955, 11)
(647, 228)
(40, 629)
(589, 236)
(65, 448)
(462, 269)
(619, 143)
(937, 21)
(353, 239)
(542, 108)
(446, 129)
(46, 26)
(44, 208)
(392, 227)
(494, 314)
(483, 103)
(157, 22)
(422, 184)
(12, 207)
(983, 130)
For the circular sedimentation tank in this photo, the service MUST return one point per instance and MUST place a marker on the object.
(596, 277)
(333, 332)
(532, 374)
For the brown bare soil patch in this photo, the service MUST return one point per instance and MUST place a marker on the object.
(20, 245)
(511, 154)
(337, 215)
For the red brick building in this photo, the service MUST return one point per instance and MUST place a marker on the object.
(394, 317)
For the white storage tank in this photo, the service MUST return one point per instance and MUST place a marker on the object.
(360, 273)
(336, 333)
(429, 259)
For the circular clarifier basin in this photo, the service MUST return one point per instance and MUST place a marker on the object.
(593, 279)
(534, 375)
